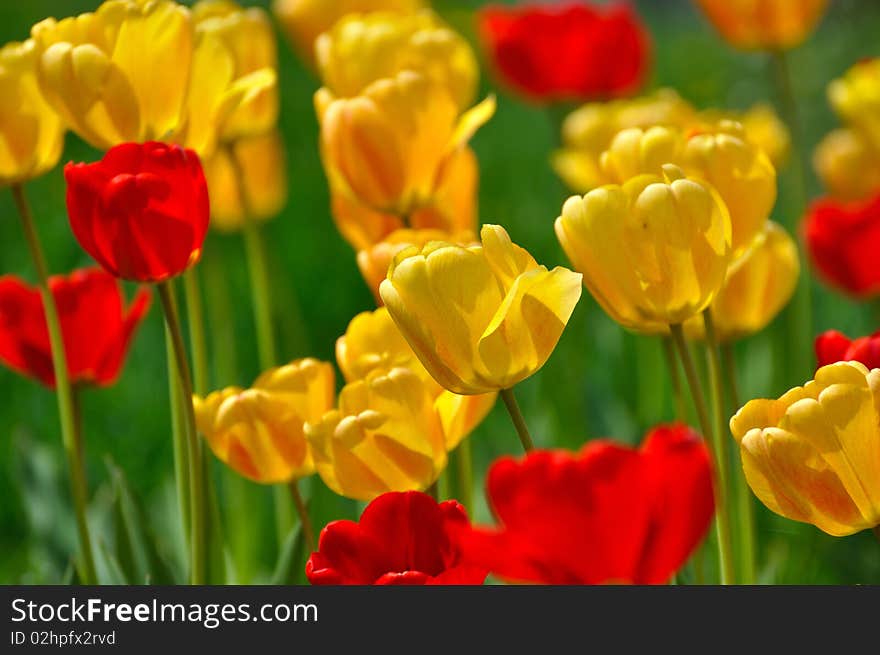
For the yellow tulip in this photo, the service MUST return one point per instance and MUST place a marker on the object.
(452, 208)
(758, 285)
(764, 24)
(262, 164)
(588, 131)
(653, 252)
(765, 130)
(813, 455)
(259, 432)
(305, 20)
(31, 133)
(136, 70)
(363, 48)
(721, 157)
(373, 343)
(249, 37)
(373, 262)
(384, 149)
(384, 436)
(479, 318)
(856, 98)
(848, 165)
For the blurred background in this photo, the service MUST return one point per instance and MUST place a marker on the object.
(600, 382)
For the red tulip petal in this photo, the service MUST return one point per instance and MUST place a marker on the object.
(831, 346)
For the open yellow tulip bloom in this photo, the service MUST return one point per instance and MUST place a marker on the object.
(263, 167)
(385, 148)
(653, 252)
(719, 155)
(384, 436)
(758, 285)
(31, 133)
(764, 24)
(259, 432)
(136, 70)
(856, 98)
(249, 37)
(479, 318)
(363, 48)
(373, 343)
(813, 455)
(305, 20)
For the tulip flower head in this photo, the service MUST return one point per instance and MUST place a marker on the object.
(758, 286)
(813, 455)
(259, 432)
(402, 538)
(305, 20)
(385, 148)
(855, 97)
(848, 165)
(363, 48)
(31, 132)
(96, 326)
(833, 346)
(479, 318)
(609, 514)
(142, 211)
(843, 241)
(373, 343)
(653, 252)
(764, 24)
(571, 52)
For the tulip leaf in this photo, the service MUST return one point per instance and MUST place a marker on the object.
(111, 567)
(288, 571)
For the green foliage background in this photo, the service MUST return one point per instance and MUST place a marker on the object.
(600, 382)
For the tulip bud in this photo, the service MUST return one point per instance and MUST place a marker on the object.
(764, 24)
(848, 165)
(479, 318)
(653, 252)
(32, 133)
(856, 98)
(813, 455)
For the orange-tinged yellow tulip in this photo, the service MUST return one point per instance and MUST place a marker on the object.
(363, 48)
(856, 98)
(758, 285)
(765, 130)
(373, 343)
(31, 133)
(305, 20)
(452, 208)
(263, 168)
(136, 70)
(384, 436)
(259, 432)
(813, 455)
(848, 165)
(764, 24)
(587, 132)
(721, 157)
(249, 37)
(653, 252)
(479, 318)
(385, 148)
(373, 262)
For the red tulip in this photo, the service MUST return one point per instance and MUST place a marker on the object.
(142, 211)
(844, 239)
(610, 514)
(833, 346)
(96, 328)
(403, 538)
(570, 52)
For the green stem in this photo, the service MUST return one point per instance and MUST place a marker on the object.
(721, 451)
(677, 391)
(221, 319)
(722, 522)
(178, 434)
(800, 316)
(465, 461)
(196, 470)
(195, 314)
(303, 512)
(63, 391)
(516, 416)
